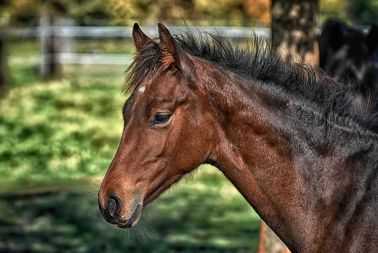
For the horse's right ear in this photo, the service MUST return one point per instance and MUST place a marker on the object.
(140, 39)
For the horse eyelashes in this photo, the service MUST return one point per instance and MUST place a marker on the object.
(161, 118)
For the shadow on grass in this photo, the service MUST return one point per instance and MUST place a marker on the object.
(180, 222)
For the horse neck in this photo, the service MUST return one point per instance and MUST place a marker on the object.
(260, 150)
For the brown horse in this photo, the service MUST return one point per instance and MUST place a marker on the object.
(292, 140)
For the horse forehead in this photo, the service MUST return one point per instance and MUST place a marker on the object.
(156, 89)
(164, 86)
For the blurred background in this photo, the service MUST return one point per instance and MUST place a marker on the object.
(62, 67)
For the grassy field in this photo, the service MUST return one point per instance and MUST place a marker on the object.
(66, 129)
(57, 138)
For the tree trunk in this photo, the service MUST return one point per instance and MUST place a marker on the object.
(3, 66)
(294, 31)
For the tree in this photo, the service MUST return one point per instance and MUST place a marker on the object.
(294, 26)
(3, 54)
(363, 11)
(258, 10)
(204, 12)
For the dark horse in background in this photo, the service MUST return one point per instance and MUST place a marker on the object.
(292, 140)
(351, 56)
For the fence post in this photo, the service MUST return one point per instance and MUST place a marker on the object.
(49, 56)
(3, 64)
(66, 40)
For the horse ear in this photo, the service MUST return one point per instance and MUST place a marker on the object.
(168, 47)
(140, 39)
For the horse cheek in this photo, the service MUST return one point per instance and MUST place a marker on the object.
(192, 149)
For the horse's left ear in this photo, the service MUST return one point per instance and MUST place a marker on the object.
(169, 49)
(140, 39)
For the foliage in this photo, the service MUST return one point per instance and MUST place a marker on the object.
(364, 11)
(21, 10)
(258, 10)
(87, 12)
(204, 12)
(27, 11)
(200, 12)
(125, 12)
(333, 8)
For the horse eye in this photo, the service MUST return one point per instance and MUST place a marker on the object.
(161, 118)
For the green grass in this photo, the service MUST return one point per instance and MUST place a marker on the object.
(65, 129)
(57, 139)
(203, 214)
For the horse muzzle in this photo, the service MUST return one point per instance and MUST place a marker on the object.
(112, 212)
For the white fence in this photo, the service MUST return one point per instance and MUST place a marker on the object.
(67, 34)
(125, 31)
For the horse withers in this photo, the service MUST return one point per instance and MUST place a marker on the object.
(291, 139)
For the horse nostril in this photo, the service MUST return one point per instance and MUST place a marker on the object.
(113, 207)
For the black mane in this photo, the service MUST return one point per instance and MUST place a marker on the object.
(258, 62)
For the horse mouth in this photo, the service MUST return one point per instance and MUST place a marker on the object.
(134, 218)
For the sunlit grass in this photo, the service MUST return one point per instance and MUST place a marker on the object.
(66, 129)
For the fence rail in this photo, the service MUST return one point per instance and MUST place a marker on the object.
(93, 59)
(63, 53)
(125, 31)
